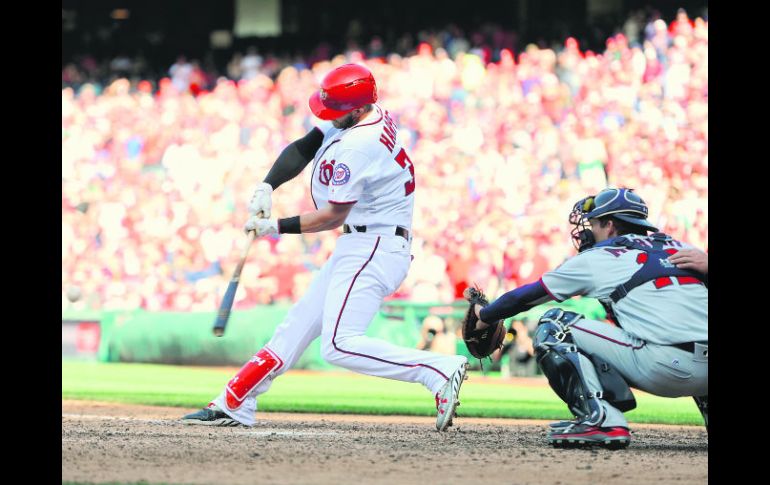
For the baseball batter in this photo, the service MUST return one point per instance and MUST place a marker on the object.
(660, 343)
(363, 178)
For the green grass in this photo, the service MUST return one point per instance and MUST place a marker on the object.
(339, 392)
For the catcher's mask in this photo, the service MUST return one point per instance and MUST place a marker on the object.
(622, 204)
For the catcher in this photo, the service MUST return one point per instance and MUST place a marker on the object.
(659, 343)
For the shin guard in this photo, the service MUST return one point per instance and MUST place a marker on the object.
(256, 370)
(565, 367)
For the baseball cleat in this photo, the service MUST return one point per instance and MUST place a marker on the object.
(209, 416)
(560, 425)
(703, 406)
(582, 435)
(447, 399)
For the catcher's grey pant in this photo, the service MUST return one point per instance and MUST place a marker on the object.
(657, 369)
(339, 305)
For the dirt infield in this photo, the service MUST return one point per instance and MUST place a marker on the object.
(107, 442)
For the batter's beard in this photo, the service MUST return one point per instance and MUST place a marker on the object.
(345, 122)
(349, 120)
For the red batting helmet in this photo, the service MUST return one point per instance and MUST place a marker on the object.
(344, 89)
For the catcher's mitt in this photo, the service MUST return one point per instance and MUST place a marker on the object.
(480, 343)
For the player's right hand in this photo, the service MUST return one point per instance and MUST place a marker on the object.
(262, 227)
(261, 201)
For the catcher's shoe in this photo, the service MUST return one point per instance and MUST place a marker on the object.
(447, 399)
(582, 435)
(209, 416)
(559, 425)
(703, 406)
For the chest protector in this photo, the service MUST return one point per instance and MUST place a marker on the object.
(655, 266)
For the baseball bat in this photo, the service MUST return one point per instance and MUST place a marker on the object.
(227, 302)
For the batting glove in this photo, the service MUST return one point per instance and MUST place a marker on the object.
(261, 200)
(261, 226)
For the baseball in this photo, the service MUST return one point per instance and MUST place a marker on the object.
(74, 293)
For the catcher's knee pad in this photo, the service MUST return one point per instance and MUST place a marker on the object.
(559, 359)
(553, 329)
(256, 370)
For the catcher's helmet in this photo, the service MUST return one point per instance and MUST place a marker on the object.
(622, 204)
(342, 90)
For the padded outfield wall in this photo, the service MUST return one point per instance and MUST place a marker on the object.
(185, 338)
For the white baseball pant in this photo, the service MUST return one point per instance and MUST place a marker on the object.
(339, 305)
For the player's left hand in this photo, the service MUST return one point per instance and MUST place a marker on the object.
(480, 343)
(261, 202)
(262, 227)
(480, 324)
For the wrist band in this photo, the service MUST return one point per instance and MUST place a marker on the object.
(289, 225)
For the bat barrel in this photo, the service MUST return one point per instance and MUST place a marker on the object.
(227, 302)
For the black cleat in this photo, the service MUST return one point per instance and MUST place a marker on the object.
(703, 406)
(210, 416)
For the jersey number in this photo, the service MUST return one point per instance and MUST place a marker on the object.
(403, 159)
(665, 280)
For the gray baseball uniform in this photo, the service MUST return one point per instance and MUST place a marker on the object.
(651, 319)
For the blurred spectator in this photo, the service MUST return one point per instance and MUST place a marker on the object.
(522, 362)
(516, 358)
(682, 25)
(121, 66)
(250, 64)
(434, 336)
(376, 48)
(155, 178)
(234, 69)
(181, 72)
(632, 28)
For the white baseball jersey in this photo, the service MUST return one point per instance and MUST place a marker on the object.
(672, 310)
(365, 165)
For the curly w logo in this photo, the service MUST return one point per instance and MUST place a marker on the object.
(325, 172)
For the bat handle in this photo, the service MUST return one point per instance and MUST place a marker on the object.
(244, 252)
(252, 236)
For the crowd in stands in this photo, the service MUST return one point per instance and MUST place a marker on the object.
(156, 176)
